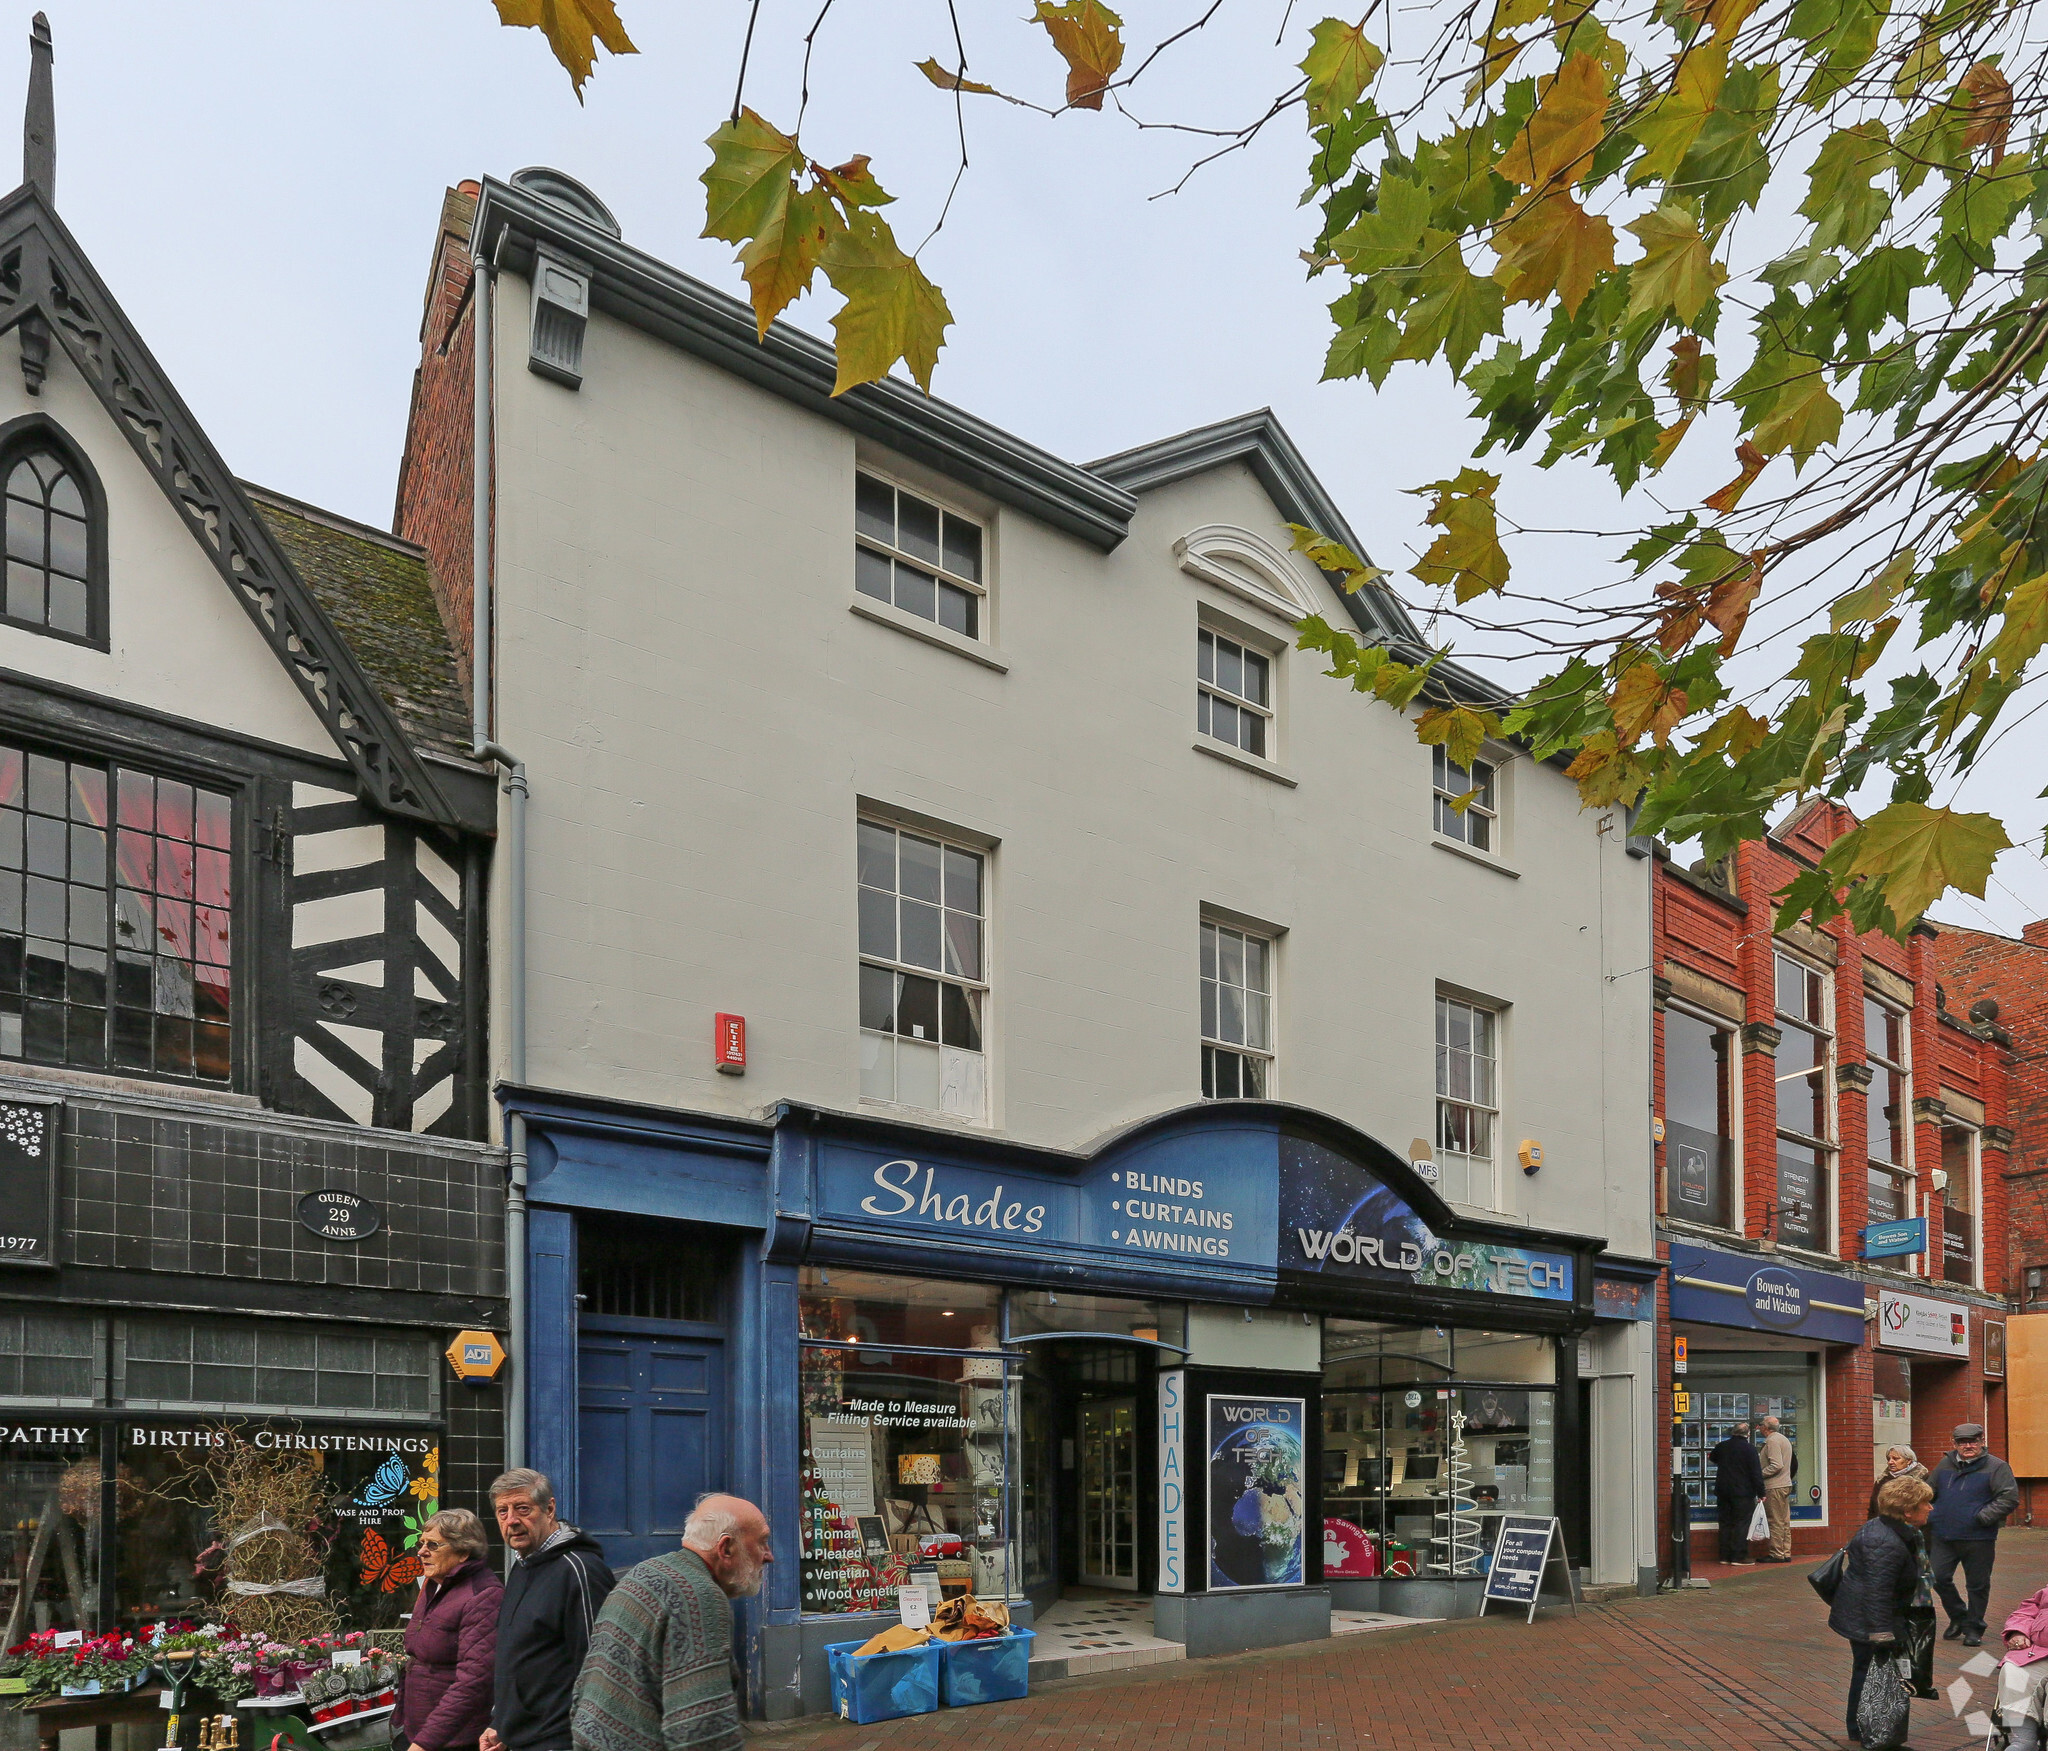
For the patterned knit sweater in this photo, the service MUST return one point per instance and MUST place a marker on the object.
(659, 1673)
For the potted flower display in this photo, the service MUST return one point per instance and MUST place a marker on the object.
(101, 1665)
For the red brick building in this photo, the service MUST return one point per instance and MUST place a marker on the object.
(1832, 1186)
(2001, 983)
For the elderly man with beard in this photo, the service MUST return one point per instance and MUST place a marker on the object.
(659, 1674)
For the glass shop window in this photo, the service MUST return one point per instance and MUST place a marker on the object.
(284, 1369)
(906, 1456)
(1959, 1204)
(1806, 1103)
(1418, 1468)
(1043, 1310)
(1735, 1386)
(1699, 1120)
(50, 1357)
(50, 1531)
(116, 903)
(1886, 1042)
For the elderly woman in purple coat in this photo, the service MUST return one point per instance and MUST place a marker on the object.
(444, 1696)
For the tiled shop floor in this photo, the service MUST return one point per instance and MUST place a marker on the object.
(1749, 1664)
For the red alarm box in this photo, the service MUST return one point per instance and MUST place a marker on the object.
(729, 1045)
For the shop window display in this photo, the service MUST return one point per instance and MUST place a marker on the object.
(908, 1407)
(1734, 1386)
(50, 1521)
(1429, 1436)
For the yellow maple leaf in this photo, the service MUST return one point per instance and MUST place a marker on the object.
(1549, 243)
(892, 311)
(1643, 702)
(1468, 555)
(1557, 143)
(779, 263)
(1606, 773)
(574, 29)
(1085, 32)
(1669, 128)
(2025, 630)
(1461, 730)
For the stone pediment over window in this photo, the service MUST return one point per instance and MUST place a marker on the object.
(1250, 567)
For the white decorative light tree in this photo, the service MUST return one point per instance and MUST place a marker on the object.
(1455, 1547)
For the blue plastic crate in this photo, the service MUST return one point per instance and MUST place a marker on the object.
(994, 1669)
(883, 1687)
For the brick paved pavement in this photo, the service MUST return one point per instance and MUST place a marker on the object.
(1749, 1664)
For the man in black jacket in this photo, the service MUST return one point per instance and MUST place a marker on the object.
(552, 1598)
(1974, 1491)
(1738, 1487)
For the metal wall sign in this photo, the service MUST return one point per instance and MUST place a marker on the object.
(339, 1215)
(1891, 1240)
(1710, 1287)
(1994, 1349)
(1173, 1492)
(28, 1182)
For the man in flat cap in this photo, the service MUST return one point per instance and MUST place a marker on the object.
(1973, 1493)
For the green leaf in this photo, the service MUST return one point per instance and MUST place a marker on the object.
(752, 175)
(892, 311)
(1678, 271)
(1670, 128)
(1340, 64)
(1840, 199)
(1333, 557)
(1802, 418)
(1454, 309)
(853, 184)
(1390, 234)
(1919, 853)
(1842, 35)
(1873, 599)
(2025, 629)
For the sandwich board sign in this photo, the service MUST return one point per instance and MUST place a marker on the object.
(1526, 1547)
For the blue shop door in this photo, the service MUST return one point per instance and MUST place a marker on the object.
(651, 1438)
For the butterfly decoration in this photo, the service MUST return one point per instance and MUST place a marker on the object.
(385, 1569)
(387, 1485)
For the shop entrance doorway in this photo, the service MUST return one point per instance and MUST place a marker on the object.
(1109, 1493)
(1088, 1466)
(651, 1383)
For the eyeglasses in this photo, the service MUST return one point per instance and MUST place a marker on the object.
(432, 1544)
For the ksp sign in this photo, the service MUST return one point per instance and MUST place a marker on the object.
(1918, 1322)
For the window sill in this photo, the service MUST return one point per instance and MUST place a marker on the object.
(922, 1115)
(1485, 859)
(888, 614)
(1249, 762)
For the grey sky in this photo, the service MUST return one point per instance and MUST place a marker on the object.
(259, 183)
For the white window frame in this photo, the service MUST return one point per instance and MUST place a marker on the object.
(1208, 690)
(956, 1097)
(977, 588)
(1829, 1034)
(1213, 1038)
(1975, 1133)
(1732, 1031)
(1492, 812)
(1496, 1015)
(1902, 1172)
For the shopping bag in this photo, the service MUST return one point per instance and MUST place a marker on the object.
(1919, 1645)
(1827, 1579)
(1759, 1524)
(1882, 1710)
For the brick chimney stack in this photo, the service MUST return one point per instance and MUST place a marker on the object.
(436, 475)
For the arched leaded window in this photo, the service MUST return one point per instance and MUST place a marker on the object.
(50, 569)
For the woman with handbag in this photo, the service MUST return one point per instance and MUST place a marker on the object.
(1880, 1581)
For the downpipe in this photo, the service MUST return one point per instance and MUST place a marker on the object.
(482, 483)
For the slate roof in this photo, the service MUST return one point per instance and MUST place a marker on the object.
(375, 589)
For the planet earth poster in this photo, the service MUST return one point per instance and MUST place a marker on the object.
(1258, 1494)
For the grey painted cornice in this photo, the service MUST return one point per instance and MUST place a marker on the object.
(633, 287)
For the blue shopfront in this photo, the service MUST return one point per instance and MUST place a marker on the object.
(1238, 1358)
(1761, 1336)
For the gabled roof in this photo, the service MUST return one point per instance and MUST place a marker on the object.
(49, 290)
(376, 590)
(1260, 442)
